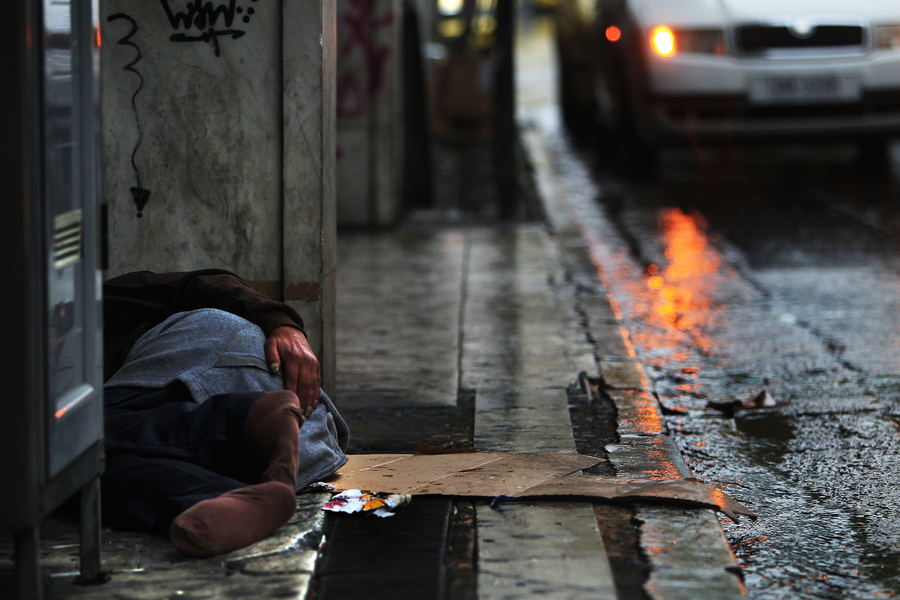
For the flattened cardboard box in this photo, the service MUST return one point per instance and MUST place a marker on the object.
(529, 475)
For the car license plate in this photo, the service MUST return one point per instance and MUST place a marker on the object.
(804, 89)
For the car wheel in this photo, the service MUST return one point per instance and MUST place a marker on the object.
(628, 156)
(576, 109)
(622, 147)
(577, 116)
(635, 159)
(873, 156)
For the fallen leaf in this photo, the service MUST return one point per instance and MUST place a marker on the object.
(762, 400)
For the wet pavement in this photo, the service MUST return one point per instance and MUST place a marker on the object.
(741, 270)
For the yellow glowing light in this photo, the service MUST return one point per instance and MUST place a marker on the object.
(450, 7)
(484, 24)
(613, 33)
(450, 28)
(662, 40)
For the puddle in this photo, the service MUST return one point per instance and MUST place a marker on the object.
(769, 434)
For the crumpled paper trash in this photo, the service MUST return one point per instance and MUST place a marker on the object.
(357, 501)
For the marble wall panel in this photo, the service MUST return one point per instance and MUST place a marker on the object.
(310, 235)
(191, 126)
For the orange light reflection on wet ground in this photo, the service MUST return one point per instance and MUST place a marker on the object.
(676, 299)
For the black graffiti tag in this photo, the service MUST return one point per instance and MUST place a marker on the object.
(139, 194)
(204, 17)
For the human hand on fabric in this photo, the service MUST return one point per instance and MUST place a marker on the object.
(287, 350)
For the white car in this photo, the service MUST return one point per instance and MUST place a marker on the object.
(657, 70)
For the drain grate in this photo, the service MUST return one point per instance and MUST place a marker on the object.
(396, 557)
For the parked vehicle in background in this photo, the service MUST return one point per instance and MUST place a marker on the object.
(654, 71)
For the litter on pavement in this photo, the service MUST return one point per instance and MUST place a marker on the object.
(357, 501)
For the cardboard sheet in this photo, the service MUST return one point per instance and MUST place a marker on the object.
(532, 475)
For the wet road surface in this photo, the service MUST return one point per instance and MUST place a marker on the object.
(764, 269)
(738, 281)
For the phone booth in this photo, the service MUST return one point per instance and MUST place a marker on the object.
(51, 407)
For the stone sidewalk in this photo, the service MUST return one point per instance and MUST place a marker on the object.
(492, 336)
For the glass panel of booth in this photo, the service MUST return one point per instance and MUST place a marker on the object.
(63, 220)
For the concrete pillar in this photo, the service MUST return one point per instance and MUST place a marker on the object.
(309, 173)
(369, 119)
(218, 145)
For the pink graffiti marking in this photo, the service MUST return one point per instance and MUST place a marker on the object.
(353, 95)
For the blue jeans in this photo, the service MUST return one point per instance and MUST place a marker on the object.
(165, 453)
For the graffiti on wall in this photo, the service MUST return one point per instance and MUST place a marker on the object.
(355, 90)
(196, 21)
(139, 193)
(200, 21)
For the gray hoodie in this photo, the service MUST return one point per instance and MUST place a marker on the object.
(214, 352)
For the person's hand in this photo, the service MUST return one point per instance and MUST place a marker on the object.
(288, 352)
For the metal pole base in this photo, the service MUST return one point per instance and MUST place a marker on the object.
(28, 564)
(91, 573)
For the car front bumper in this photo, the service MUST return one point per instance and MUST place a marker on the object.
(710, 97)
(877, 113)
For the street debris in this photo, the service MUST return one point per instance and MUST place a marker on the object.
(357, 501)
(423, 448)
(319, 486)
(764, 399)
(529, 475)
(495, 503)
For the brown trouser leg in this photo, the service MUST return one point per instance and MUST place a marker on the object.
(242, 517)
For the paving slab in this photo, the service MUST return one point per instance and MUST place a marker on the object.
(691, 558)
(398, 335)
(511, 328)
(542, 549)
(638, 412)
(624, 375)
(514, 357)
(520, 420)
(647, 457)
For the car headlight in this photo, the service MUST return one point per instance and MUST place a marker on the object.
(668, 42)
(887, 37)
(662, 40)
(450, 7)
